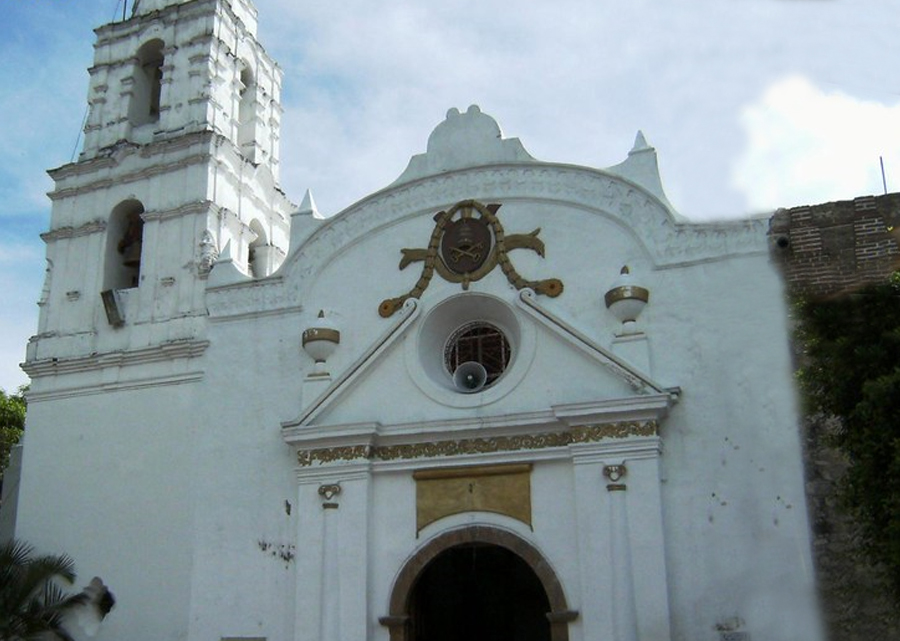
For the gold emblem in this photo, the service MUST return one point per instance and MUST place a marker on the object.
(468, 241)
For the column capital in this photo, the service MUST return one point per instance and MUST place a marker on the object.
(615, 472)
(328, 492)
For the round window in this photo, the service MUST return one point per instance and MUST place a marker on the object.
(480, 343)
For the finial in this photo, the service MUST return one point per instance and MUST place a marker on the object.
(640, 142)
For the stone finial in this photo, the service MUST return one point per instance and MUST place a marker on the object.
(640, 143)
(308, 206)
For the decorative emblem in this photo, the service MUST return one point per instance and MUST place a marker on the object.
(465, 244)
(468, 241)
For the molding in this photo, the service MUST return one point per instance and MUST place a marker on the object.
(638, 380)
(251, 298)
(479, 445)
(148, 171)
(179, 349)
(104, 388)
(348, 473)
(88, 228)
(555, 418)
(188, 209)
(111, 156)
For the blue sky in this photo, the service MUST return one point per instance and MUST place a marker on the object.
(751, 104)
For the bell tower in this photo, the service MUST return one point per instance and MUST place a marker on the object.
(180, 160)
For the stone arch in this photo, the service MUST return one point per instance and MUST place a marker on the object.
(398, 619)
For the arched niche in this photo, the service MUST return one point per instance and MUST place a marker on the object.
(399, 620)
(147, 83)
(124, 246)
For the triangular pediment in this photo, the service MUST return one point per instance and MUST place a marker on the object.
(555, 365)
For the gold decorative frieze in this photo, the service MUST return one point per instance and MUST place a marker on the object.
(487, 445)
(502, 489)
(467, 243)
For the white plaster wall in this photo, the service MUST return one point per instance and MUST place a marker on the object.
(107, 480)
(736, 522)
(242, 478)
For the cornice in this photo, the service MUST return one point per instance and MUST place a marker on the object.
(181, 378)
(111, 156)
(181, 349)
(488, 443)
(91, 227)
(97, 226)
(188, 209)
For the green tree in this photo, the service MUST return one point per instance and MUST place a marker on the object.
(12, 423)
(32, 604)
(852, 371)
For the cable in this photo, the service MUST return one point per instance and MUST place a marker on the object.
(116, 10)
(78, 139)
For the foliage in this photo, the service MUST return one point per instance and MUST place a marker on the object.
(32, 604)
(852, 371)
(12, 423)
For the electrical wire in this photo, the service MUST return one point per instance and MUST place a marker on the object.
(116, 10)
(119, 3)
(80, 131)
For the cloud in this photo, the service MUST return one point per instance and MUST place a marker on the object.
(806, 145)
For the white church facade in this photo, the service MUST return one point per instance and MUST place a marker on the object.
(500, 398)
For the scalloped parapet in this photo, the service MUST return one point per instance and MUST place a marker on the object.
(463, 140)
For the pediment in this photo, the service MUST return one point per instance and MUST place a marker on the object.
(398, 386)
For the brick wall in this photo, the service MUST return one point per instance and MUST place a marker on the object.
(830, 250)
(834, 247)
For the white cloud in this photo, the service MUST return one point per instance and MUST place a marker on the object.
(806, 145)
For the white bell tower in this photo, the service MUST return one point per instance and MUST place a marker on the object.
(180, 159)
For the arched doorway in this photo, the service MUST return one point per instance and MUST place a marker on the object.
(478, 592)
(478, 583)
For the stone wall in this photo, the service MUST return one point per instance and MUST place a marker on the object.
(830, 250)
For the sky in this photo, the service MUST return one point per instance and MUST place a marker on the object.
(752, 105)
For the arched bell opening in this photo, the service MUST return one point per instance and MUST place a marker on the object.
(247, 101)
(147, 83)
(125, 232)
(477, 583)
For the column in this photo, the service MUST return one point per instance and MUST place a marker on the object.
(330, 603)
(624, 611)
